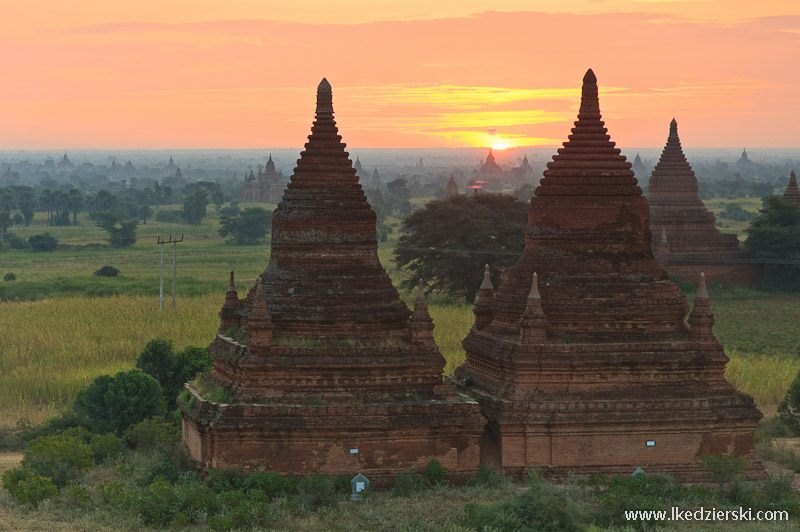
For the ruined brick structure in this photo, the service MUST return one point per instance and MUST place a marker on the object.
(581, 359)
(337, 375)
(688, 241)
(792, 192)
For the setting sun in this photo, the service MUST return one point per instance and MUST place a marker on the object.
(499, 146)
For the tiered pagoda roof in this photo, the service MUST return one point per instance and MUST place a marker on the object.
(792, 192)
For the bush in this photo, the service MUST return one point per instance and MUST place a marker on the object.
(408, 482)
(112, 404)
(724, 468)
(224, 480)
(28, 487)
(77, 495)
(272, 485)
(62, 458)
(9, 277)
(157, 503)
(173, 217)
(195, 499)
(43, 242)
(16, 242)
(435, 473)
(316, 491)
(107, 271)
(487, 477)
(172, 370)
(106, 447)
(151, 434)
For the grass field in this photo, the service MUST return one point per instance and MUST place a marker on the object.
(51, 347)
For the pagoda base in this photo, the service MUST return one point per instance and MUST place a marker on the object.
(730, 273)
(378, 440)
(662, 436)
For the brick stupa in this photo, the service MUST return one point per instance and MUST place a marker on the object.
(792, 192)
(688, 241)
(582, 360)
(337, 375)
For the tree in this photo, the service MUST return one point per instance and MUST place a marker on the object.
(43, 242)
(46, 201)
(120, 233)
(112, 404)
(447, 242)
(171, 369)
(26, 203)
(145, 212)
(248, 227)
(775, 235)
(5, 223)
(75, 202)
(194, 207)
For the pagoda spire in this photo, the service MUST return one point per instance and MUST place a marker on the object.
(533, 323)
(792, 192)
(482, 308)
(259, 325)
(568, 174)
(228, 317)
(421, 324)
(701, 320)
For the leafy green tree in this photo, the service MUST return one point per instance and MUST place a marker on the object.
(194, 207)
(171, 369)
(112, 404)
(26, 203)
(250, 226)
(145, 212)
(75, 202)
(5, 223)
(775, 236)
(121, 233)
(447, 242)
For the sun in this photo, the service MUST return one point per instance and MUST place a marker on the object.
(500, 146)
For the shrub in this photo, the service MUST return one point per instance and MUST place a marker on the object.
(408, 482)
(63, 458)
(106, 447)
(28, 487)
(107, 271)
(16, 242)
(151, 434)
(223, 480)
(43, 242)
(157, 503)
(112, 404)
(77, 495)
(9, 277)
(272, 485)
(316, 491)
(435, 473)
(195, 498)
(221, 523)
(723, 468)
(487, 476)
(115, 495)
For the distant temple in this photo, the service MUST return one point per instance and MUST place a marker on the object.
(65, 162)
(525, 173)
(170, 164)
(266, 187)
(638, 167)
(329, 370)
(792, 193)
(377, 196)
(689, 242)
(490, 171)
(9, 178)
(582, 360)
(451, 189)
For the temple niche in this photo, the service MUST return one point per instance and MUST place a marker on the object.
(581, 359)
(266, 187)
(687, 240)
(329, 370)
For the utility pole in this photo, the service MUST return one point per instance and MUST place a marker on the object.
(174, 242)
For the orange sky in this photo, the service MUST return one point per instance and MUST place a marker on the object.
(415, 73)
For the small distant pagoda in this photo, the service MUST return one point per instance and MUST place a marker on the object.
(266, 187)
(451, 189)
(689, 241)
(792, 192)
(65, 162)
(490, 171)
(581, 359)
(329, 370)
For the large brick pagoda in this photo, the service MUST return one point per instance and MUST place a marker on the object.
(687, 240)
(336, 375)
(581, 359)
